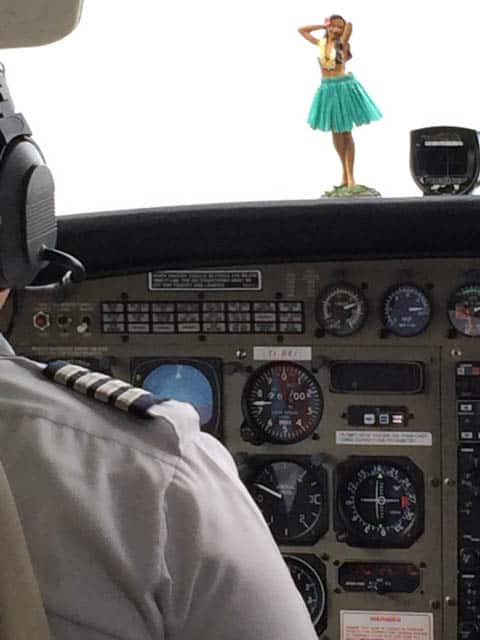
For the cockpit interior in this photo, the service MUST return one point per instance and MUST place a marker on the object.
(331, 346)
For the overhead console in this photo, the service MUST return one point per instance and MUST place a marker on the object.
(349, 396)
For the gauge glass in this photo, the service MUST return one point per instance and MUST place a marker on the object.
(283, 401)
(309, 584)
(184, 383)
(464, 309)
(379, 501)
(341, 309)
(292, 499)
(407, 310)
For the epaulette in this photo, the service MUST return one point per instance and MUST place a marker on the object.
(103, 388)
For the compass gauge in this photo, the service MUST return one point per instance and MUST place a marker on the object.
(379, 502)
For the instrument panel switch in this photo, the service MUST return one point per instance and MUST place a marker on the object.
(41, 320)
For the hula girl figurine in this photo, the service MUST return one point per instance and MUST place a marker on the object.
(340, 102)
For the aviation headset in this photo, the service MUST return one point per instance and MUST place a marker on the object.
(28, 228)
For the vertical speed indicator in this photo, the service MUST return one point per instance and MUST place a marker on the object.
(309, 577)
(283, 402)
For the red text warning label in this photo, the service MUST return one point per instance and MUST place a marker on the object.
(385, 625)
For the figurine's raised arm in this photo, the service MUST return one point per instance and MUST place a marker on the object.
(306, 32)
(347, 32)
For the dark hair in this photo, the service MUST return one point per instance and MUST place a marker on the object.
(336, 16)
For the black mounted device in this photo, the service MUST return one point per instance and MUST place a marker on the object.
(444, 160)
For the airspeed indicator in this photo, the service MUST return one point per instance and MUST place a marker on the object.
(283, 402)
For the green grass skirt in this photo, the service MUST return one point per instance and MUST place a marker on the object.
(341, 103)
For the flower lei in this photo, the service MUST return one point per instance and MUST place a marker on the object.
(330, 62)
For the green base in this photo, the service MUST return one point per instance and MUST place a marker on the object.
(358, 191)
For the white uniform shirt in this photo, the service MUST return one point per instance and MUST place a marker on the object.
(138, 529)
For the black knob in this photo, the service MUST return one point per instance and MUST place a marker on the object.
(471, 482)
(469, 558)
(468, 631)
(250, 435)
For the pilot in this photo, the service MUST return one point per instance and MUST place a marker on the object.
(137, 523)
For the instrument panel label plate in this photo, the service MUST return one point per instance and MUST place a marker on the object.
(282, 353)
(387, 625)
(399, 438)
(205, 280)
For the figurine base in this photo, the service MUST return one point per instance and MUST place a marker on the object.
(358, 191)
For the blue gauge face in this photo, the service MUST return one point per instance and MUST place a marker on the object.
(406, 310)
(185, 383)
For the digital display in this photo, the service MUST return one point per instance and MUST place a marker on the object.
(376, 377)
(444, 161)
(197, 381)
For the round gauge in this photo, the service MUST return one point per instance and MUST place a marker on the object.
(464, 309)
(310, 584)
(183, 382)
(293, 500)
(341, 309)
(283, 402)
(406, 310)
(380, 504)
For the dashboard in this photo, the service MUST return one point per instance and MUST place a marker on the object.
(337, 357)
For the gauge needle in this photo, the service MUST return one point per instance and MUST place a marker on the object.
(268, 490)
(415, 308)
(349, 306)
(261, 403)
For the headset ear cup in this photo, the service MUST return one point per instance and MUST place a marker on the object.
(27, 213)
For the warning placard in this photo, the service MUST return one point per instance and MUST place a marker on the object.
(385, 625)
(398, 438)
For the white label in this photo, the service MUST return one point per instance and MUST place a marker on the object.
(206, 280)
(282, 353)
(385, 625)
(69, 352)
(399, 438)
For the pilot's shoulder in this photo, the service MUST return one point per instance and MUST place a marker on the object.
(128, 411)
(104, 388)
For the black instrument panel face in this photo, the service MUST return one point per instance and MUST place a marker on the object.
(292, 494)
(282, 402)
(349, 397)
(379, 502)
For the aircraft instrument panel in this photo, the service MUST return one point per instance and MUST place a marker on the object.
(348, 395)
